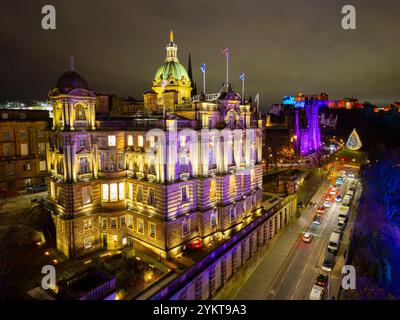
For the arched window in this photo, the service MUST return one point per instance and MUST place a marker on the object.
(80, 112)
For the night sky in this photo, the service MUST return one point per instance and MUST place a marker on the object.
(283, 46)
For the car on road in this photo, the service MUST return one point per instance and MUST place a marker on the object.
(307, 237)
(317, 219)
(334, 242)
(341, 224)
(338, 198)
(322, 209)
(339, 231)
(196, 244)
(327, 203)
(317, 293)
(322, 280)
(333, 191)
(37, 188)
(329, 262)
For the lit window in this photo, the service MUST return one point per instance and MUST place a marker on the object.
(115, 238)
(124, 241)
(88, 242)
(112, 141)
(232, 182)
(104, 223)
(123, 221)
(42, 165)
(213, 186)
(152, 231)
(182, 140)
(83, 165)
(7, 149)
(41, 147)
(121, 190)
(140, 226)
(253, 175)
(130, 140)
(113, 192)
(105, 192)
(52, 189)
(86, 194)
(24, 149)
(130, 190)
(140, 141)
(185, 194)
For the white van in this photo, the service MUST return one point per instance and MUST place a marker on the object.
(333, 244)
(346, 200)
(343, 213)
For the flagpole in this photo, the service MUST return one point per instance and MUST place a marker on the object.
(243, 89)
(227, 71)
(204, 82)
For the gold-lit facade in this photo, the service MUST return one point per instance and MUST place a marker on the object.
(186, 170)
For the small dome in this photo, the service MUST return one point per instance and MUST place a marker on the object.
(71, 80)
(175, 69)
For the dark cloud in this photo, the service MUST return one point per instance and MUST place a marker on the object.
(283, 46)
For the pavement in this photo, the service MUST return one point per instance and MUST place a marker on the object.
(21, 202)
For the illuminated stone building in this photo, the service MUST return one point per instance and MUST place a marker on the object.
(187, 169)
(23, 142)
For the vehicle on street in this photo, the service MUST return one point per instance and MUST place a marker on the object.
(317, 219)
(322, 280)
(36, 188)
(346, 200)
(300, 204)
(333, 191)
(196, 244)
(341, 224)
(329, 262)
(322, 209)
(327, 203)
(317, 293)
(343, 213)
(339, 231)
(334, 241)
(307, 237)
(339, 180)
(338, 198)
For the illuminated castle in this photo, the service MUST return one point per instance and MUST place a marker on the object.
(188, 169)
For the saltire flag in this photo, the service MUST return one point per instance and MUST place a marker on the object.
(241, 76)
(203, 67)
(225, 51)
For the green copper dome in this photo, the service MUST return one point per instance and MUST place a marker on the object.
(175, 69)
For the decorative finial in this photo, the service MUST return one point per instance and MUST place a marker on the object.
(171, 36)
(71, 63)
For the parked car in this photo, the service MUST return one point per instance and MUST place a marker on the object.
(195, 244)
(37, 188)
(333, 191)
(300, 204)
(334, 242)
(307, 237)
(317, 219)
(322, 280)
(329, 262)
(317, 293)
(339, 231)
(322, 209)
(338, 198)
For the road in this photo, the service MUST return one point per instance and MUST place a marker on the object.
(300, 270)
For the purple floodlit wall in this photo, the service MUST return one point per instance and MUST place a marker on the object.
(309, 138)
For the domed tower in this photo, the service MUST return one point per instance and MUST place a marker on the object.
(172, 76)
(74, 104)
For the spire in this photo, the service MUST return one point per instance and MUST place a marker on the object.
(190, 73)
(71, 63)
(171, 49)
